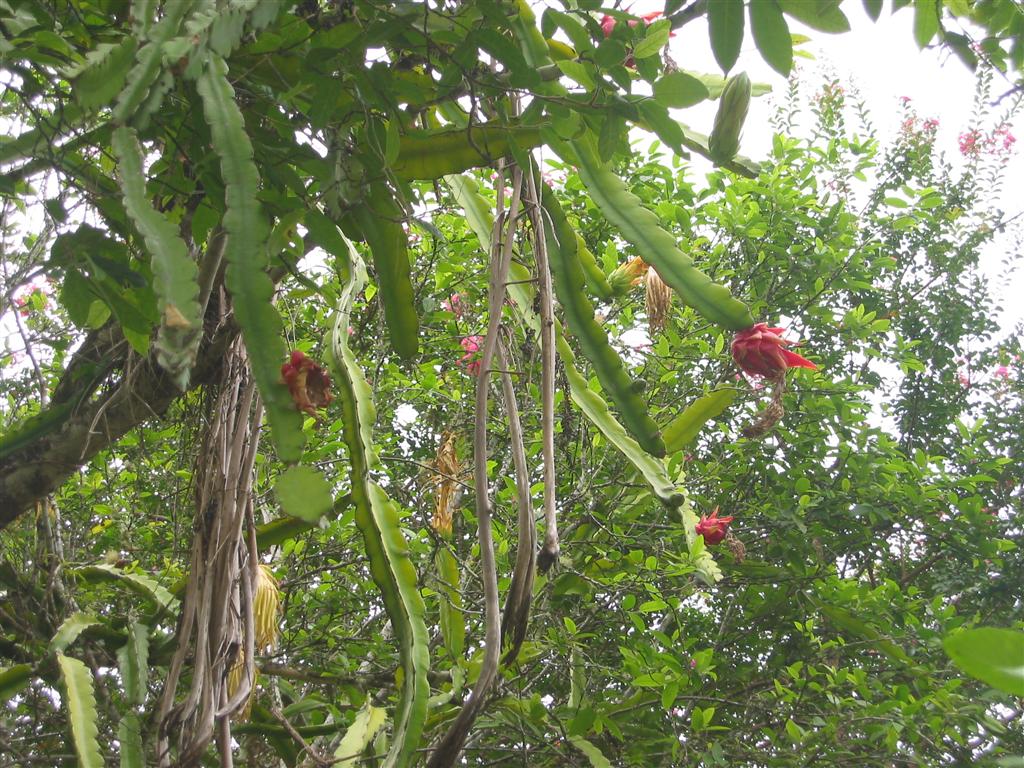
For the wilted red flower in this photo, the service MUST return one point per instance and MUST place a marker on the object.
(713, 528)
(761, 351)
(308, 383)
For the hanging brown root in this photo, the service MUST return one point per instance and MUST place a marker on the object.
(216, 630)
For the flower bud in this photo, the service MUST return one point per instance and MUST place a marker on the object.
(732, 111)
(627, 275)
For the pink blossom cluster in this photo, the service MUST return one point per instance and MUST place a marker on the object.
(998, 143)
(455, 305)
(471, 345)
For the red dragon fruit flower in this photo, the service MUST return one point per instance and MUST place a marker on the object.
(761, 351)
(308, 383)
(713, 528)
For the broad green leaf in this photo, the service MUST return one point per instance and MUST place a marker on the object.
(360, 735)
(822, 15)
(81, 704)
(13, 679)
(725, 23)
(246, 254)
(654, 40)
(678, 89)
(771, 35)
(304, 493)
(70, 629)
(926, 21)
(993, 655)
(593, 754)
(873, 8)
(687, 425)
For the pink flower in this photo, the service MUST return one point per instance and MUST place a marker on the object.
(970, 143)
(905, 100)
(472, 345)
(964, 379)
(1003, 372)
(1003, 132)
(930, 125)
(713, 528)
(761, 351)
(454, 305)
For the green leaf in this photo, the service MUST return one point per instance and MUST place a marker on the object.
(380, 219)
(725, 23)
(137, 582)
(142, 80)
(592, 753)
(304, 493)
(70, 629)
(994, 656)
(251, 289)
(687, 425)
(133, 664)
(131, 746)
(678, 89)
(175, 275)
(926, 21)
(654, 40)
(873, 8)
(569, 282)
(822, 15)
(641, 227)
(771, 35)
(452, 618)
(103, 74)
(850, 623)
(378, 521)
(13, 679)
(359, 735)
(81, 704)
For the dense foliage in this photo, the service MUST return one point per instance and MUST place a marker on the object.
(357, 219)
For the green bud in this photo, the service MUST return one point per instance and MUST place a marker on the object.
(732, 111)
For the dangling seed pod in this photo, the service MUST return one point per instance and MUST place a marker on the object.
(266, 607)
(771, 415)
(447, 465)
(659, 301)
(732, 111)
